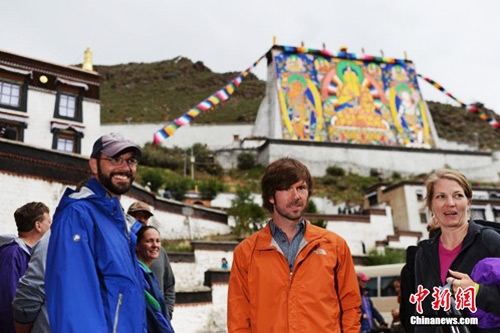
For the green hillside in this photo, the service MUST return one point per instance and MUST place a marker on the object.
(162, 91)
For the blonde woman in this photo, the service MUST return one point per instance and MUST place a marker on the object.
(450, 256)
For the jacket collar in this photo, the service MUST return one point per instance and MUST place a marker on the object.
(265, 238)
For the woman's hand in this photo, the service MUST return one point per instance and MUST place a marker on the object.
(461, 280)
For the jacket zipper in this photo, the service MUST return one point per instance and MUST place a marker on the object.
(117, 312)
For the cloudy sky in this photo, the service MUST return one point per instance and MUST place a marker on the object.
(456, 43)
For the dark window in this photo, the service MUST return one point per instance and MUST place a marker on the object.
(478, 214)
(420, 195)
(12, 130)
(68, 141)
(423, 218)
(371, 286)
(13, 91)
(69, 104)
(387, 286)
(496, 214)
(373, 199)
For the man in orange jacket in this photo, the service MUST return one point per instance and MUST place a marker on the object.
(292, 276)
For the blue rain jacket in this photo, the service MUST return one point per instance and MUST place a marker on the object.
(92, 280)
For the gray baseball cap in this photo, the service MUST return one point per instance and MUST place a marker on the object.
(112, 144)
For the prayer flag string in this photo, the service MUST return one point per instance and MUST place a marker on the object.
(472, 108)
(209, 103)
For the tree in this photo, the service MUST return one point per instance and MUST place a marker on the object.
(154, 177)
(210, 188)
(248, 215)
(204, 159)
(312, 208)
(178, 186)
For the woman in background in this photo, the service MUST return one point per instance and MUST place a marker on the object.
(450, 256)
(148, 249)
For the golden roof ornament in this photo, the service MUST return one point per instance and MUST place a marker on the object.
(87, 60)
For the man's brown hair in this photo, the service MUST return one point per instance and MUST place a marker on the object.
(280, 175)
(27, 215)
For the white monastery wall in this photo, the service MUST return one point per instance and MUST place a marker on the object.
(40, 110)
(92, 123)
(414, 207)
(356, 233)
(192, 318)
(214, 136)
(361, 159)
(17, 191)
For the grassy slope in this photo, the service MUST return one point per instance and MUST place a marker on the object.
(162, 91)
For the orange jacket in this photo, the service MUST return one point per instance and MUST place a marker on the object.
(321, 295)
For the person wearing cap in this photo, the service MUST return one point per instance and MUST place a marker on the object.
(160, 266)
(369, 312)
(92, 281)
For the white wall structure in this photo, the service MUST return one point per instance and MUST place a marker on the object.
(359, 229)
(214, 136)
(19, 190)
(361, 159)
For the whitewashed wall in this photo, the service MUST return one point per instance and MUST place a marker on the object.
(192, 318)
(358, 159)
(355, 233)
(214, 136)
(17, 191)
(40, 112)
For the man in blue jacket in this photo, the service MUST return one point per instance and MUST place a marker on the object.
(92, 280)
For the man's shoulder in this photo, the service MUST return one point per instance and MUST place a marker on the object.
(323, 234)
(13, 251)
(249, 242)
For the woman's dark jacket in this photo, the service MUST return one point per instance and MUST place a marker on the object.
(479, 243)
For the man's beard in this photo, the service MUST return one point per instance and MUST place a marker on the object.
(107, 182)
(289, 216)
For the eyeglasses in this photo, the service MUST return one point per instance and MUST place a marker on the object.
(116, 161)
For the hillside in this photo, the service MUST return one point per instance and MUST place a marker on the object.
(162, 91)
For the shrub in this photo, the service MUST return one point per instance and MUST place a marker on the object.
(374, 172)
(335, 171)
(162, 157)
(390, 256)
(246, 161)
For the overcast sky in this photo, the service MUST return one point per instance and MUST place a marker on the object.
(454, 42)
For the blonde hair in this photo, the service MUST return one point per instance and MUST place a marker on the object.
(445, 174)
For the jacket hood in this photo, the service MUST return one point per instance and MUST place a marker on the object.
(92, 190)
(7, 239)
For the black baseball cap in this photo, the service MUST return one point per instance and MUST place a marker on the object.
(112, 144)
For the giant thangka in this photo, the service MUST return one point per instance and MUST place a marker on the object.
(345, 99)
